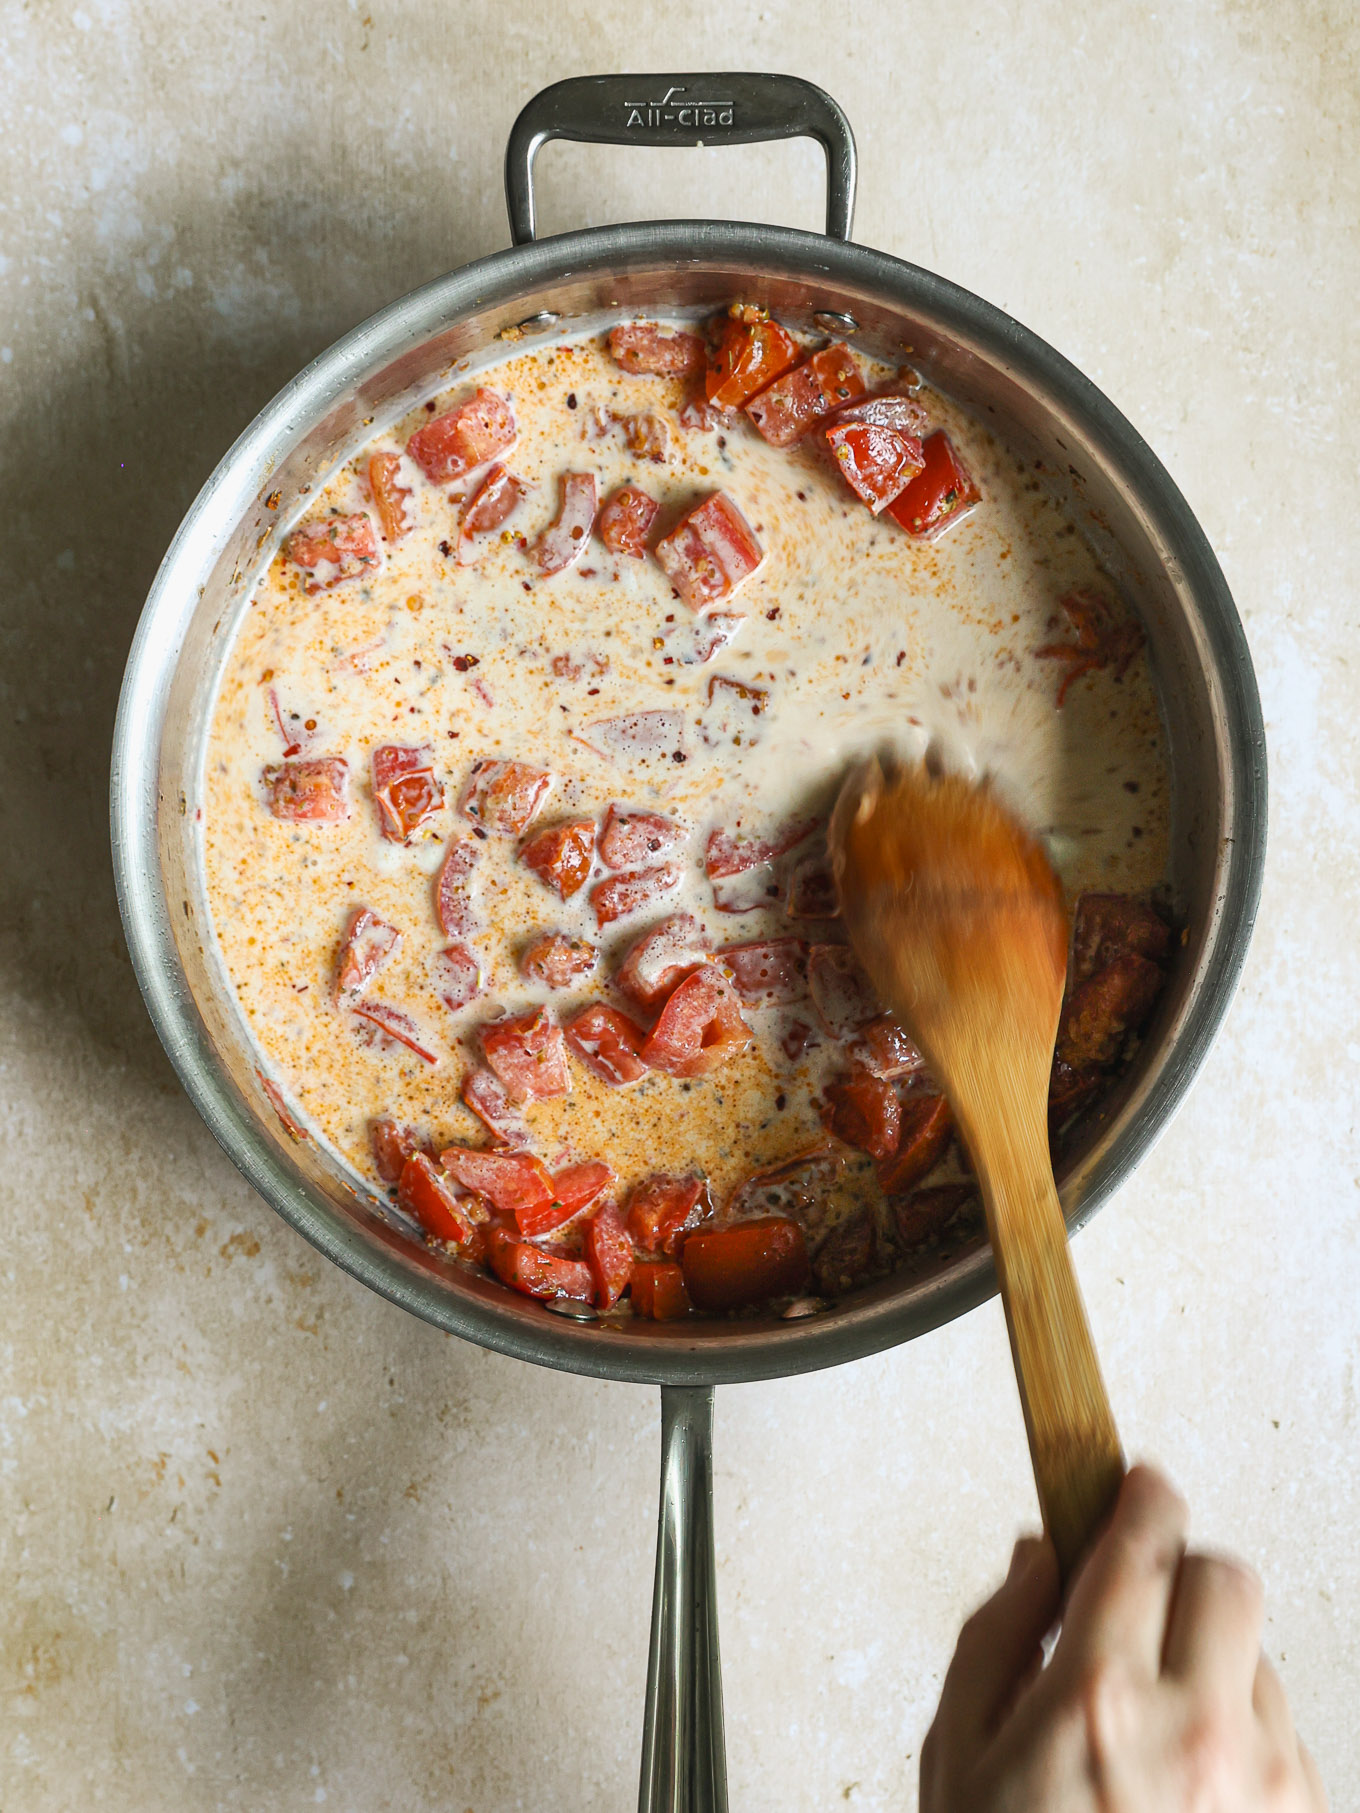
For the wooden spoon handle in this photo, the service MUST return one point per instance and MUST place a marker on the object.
(1073, 1443)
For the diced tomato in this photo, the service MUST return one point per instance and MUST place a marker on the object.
(484, 1092)
(884, 1048)
(529, 1269)
(504, 796)
(752, 352)
(745, 1264)
(940, 494)
(287, 1119)
(1105, 638)
(367, 944)
(925, 1213)
(701, 1026)
(847, 1255)
(561, 855)
(626, 520)
(842, 994)
(405, 790)
(333, 549)
(646, 434)
(563, 542)
(492, 503)
(1101, 1012)
(311, 792)
(510, 1181)
(607, 1043)
(527, 1054)
(1109, 926)
(389, 495)
(452, 907)
(393, 1144)
(865, 1113)
(422, 1192)
(389, 1023)
(630, 839)
(662, 1210)
(659, 1291)
(797, 1038)
(709, 553)
(772, 973)
(574, 1189)
(643, 346)
(926, 1128)
(877, 463)
(812, 890)
(1069, 1090)
(638, 736)
(556, 959)
(728, 854)
(457, 975)
(463, 438)
(663, 957)
(785, 410)
(698, 415)
(619, 895)
(609, 1254)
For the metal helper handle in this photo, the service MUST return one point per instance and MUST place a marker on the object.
(684, 1759)
(681, 110)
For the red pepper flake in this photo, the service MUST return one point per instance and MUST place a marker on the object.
(464, 662)
(571, 399)
(445, 549)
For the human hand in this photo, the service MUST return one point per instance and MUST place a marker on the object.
(1157, 1698)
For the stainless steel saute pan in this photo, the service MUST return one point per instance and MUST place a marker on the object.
(1134, 516)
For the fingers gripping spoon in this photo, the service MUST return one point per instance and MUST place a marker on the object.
(956, 914)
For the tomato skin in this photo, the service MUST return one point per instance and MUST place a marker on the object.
(661, 1210)
(463, 438)
(333, 549)
(564, 541)
(392, 1145)
(630, 839)
(658, 1291)
(389, 495)
(662, 958)
(939, 495)
(709, 553)
(626, 520)
(527, 1053)
(645, 347)
(503, 797)
(609, 1254)
(701, 1026)
(452, 906)
(366, 946)
(865, 1112)
(619, 895)
(510, 1181)
(561, 856)
(574, 1189)
(784, 411)
(842, 995)
(752, 351)
(884, 1048)
(495, 500)
(390, 1023)
(484, 1093)
(727, 854)
(607, 1043)
(926, 1129)
(812, 890)
(310, 792)
(745, 1264)
(405, 790)
(1106, 637)
(533, 1272)
(422, 1192)
(770, 973)
(458, 975)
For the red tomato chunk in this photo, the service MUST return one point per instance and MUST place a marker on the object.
(457, 976)
(389, 495)
(630, 839)
(563, 542)
(452, 907)
(368, 943)
(574, 1189)
(1101, 1012)
(709, 553)
(923, 1139)
(510, 1181)
(643, 347)
(561, 856)
(311, 792)
(393, 1144)
(422, 1192)
(1114, 925)
(556, 959)
(663, 1209)
(940, 493)
(865, 1113)
(504, 796)
(530, 1270)
(332, 550)
(484, 1092)
(847, 1255)
(619, 895)
(609, 1254)
(404, 790)
(926, 1213)
(745, 1264)
(727, 854)
(659, 1291)
(752, 352)
(884, 1048)
(877, 463)
(466, 437)
(662, 958)
(769, 974)
(842, 995)
(491, 504)
(701, 1026)
(527, 1053)
(812, 890)
(786, 409)
(626, 521)
(607, 1043)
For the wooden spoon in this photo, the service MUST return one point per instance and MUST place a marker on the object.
(956, 914)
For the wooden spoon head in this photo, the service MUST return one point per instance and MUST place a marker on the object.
(954, 910)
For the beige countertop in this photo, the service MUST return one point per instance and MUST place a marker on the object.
(267, 1542)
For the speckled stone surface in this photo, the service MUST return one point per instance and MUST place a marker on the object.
(266, 1542)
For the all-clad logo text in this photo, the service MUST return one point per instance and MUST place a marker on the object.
(681, 115)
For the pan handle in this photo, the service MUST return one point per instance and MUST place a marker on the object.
(684, 1758)
(703, 109)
